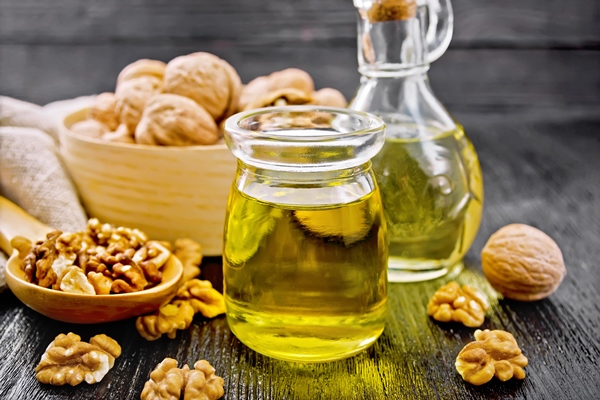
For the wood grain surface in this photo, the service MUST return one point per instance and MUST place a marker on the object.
(539, 168)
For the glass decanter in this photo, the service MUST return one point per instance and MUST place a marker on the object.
(428, 170)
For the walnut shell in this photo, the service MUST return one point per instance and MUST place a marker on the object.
(291, 78)
(132, 96)
(280, 97)
(207, 79)
(90, 128)
(329, 97)
(172, 120)
(523, 263)
(143, 67)
(120, 135)
(104, 110)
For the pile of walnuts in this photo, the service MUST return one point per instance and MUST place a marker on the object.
(183, 102)
(103, 259)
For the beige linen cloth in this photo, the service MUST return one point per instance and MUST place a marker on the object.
(31, 172)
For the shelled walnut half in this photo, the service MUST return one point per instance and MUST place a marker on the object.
(453, 303)
(194, 296)
(494, 353)
(68, 360)
(168, 382)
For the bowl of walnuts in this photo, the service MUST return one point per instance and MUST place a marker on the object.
(152, 154)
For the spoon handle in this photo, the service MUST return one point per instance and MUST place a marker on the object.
(14, 221)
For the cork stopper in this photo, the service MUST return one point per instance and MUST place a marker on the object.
(392, 10)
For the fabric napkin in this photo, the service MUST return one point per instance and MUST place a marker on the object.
(31, 172)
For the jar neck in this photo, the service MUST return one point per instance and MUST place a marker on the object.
(393, 48)
(312, 189)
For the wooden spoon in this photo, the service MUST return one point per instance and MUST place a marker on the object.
(73, 307)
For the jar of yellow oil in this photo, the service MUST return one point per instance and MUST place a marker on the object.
(305, 244)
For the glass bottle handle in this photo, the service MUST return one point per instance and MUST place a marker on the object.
(440, 26)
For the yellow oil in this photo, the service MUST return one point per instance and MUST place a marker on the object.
(432, 193)
(305, 284)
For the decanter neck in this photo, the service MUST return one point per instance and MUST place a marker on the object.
(391, 42)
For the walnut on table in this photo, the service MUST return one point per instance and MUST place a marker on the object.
(494, 353)
(203, 297)
(194, 296)
(168, 382)
(453, 303)
(189, 252)
(68, 360)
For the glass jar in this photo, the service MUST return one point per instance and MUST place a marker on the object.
(428, 170)
(305, 248)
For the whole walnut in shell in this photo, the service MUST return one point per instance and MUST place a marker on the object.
(329, 97)
(523, 263)
(208, 80)
(290, 78)
(90, 128)
(143, 67)
(172, 120)
(120, 135)
(104, 110)
(132, 96)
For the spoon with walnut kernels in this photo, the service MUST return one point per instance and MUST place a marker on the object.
(75, 307)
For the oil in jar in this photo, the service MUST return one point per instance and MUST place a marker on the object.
(306, 284)
(432, 193)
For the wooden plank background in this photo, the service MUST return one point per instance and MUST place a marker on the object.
(505, 54)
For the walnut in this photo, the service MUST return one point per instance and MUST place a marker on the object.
(68, 360)
(75, 281)
(493, 353)
(172, 120)
(168, 382)
(103, 110)
(207, 79)
(329, 97)
(132, 96)
(203, 297)
(38, 263)
(177, 315)
(280, 97)
(189, 253)
(128, 276)
(291, 78)
(143, 67)
(22, 245)
(120, 135)
(192, 297)
(392, 10)
(101, 283)
(202, 383)
(90, 128)
(523, 263)
(451, 303)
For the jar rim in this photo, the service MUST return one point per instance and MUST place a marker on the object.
(373, 123)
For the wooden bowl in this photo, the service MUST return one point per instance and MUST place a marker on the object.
(168, 192)
(72, 307)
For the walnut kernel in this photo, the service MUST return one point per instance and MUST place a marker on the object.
(68, 360)
(451, 303)
(168, 382)
(494, 353)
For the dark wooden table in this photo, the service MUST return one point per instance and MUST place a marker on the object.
(540, 168)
